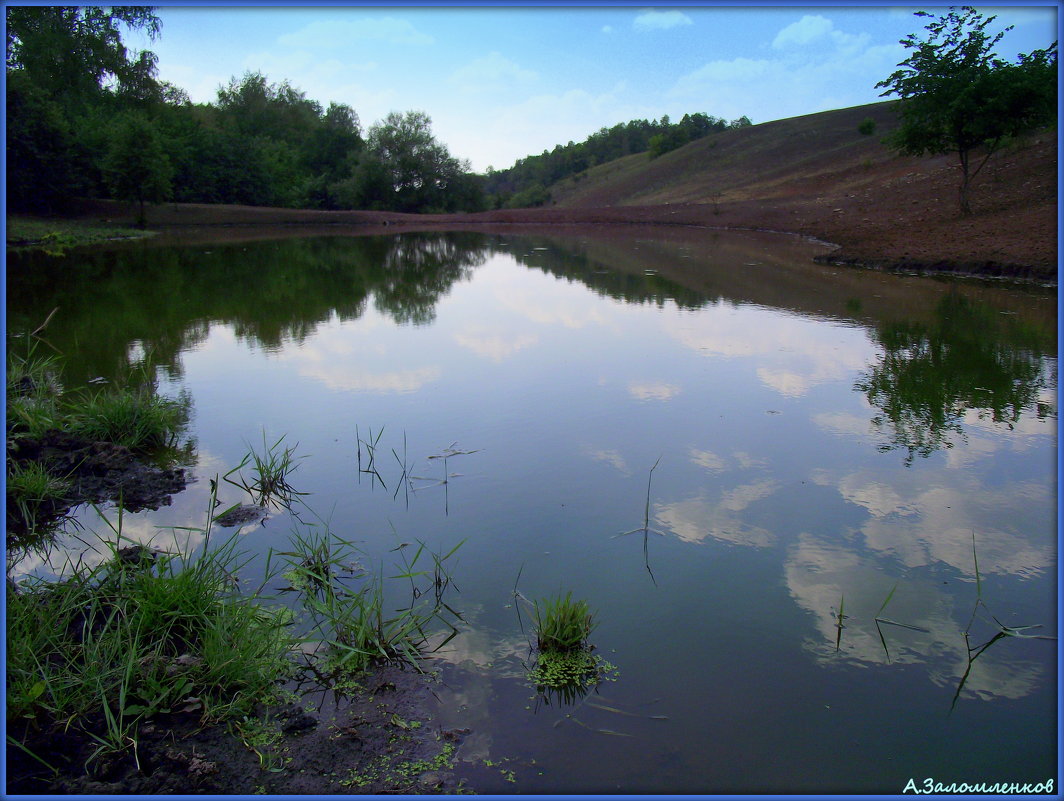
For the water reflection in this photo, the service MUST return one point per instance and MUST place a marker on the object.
(162, 301)
(926, 623)
(768, 391)
(970, 357)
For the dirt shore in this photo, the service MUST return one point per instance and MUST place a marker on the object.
(890, 213)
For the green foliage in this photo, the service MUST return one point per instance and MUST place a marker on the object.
(421, 174)
(41, 165)
(72, 53)
(136, 166)
(562, 669)
(562, 624)
(957, 95)
(867, 127)
(969, 360)
(608, 144)
(530, 197)
(54, 237)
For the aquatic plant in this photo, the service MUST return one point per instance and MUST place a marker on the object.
(562, 625)
(1001, 631)
(347, 603)
(33, 497)
(270, 470)
(40, 412)
(645, 528)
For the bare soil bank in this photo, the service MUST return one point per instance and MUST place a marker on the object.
(812, 175)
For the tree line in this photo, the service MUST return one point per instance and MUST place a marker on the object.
(527, 182)
(88, 118)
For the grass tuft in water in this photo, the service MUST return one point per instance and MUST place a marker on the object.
(270, 470)
(562, 624)
(350, 607)
(566, 668)
(33, 496)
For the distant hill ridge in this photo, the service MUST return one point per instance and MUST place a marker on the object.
(772, 159)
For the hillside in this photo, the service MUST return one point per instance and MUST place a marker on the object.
(817, 175)
(775, 159)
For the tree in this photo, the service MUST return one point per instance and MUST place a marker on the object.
(420, 170)
(136, 166)
(41, 168)
(957, 95)
(72, 53)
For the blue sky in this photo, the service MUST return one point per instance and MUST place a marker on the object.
(506, 82)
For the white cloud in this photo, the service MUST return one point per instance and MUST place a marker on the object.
(607, 29)
(746, 461)
(653, 391)
(537, 123)
(339, 33)
(492, 72)
(652, 20)
(708, 460)
(738, 69)
(808, 29)
(843, 423)
(793, 354)
(496, 347)
(738, 498)
(698, 518)
(609, 456)
(831, 72)
(352, 379)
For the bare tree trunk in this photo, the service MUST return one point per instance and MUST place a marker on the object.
(966, 207)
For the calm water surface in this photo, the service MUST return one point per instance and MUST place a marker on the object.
(822, 436)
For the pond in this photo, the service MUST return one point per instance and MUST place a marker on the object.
(788, 446)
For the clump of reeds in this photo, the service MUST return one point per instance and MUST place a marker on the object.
(565, 665)
(34, 498)
(562, 624)
(38, 406)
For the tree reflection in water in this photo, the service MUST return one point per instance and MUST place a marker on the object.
(971, 358)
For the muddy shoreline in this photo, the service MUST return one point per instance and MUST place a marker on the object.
(380, 736)
(900, 217)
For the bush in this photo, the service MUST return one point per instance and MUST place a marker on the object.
(867, 127)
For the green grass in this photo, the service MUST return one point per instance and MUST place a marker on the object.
(146, 633)
(112, 645)
(33, 391)
(136, 418)
(270, 470)
(56, 236)
(38, 405)
(351, 611)
(562, 624)
(33, 497)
